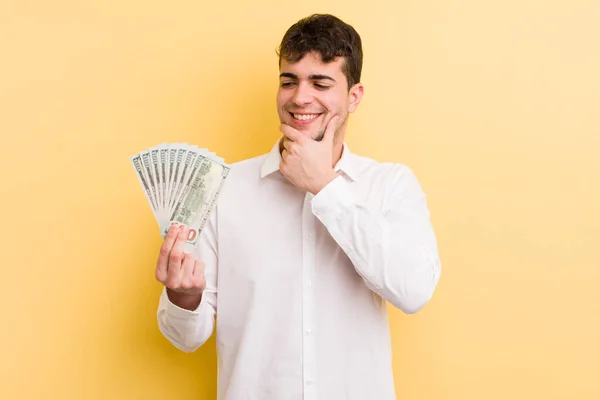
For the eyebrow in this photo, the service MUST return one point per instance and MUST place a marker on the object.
(314, 77)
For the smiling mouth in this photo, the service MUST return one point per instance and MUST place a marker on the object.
(304, 117)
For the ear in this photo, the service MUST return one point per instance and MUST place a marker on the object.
(355, 95)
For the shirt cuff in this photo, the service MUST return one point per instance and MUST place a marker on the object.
(333, 200)
(178, 312)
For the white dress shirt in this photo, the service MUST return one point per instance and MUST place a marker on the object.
(299, 283)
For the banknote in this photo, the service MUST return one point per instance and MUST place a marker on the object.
(201, 193)
(181, 183)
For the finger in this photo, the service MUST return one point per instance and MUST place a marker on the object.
(198, 275)
(284, 155)
(187, 268)
(291, 133)
(286, 143)
(165, 250)
(330, 129)
(176, 257)
(289, 147)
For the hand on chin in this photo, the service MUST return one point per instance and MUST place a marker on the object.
(306, 162)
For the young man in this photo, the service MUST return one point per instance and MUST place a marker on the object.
(306, 245)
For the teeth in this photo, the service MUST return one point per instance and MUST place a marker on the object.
(304, 117)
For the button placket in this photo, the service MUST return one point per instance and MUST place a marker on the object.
(308, 300)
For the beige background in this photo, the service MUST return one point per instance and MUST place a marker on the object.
(493, 104)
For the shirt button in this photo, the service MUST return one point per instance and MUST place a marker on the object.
(308, 331)
(309, 381)
(308, 282)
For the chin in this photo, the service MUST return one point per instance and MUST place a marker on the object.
(313, 135)
(306, 131)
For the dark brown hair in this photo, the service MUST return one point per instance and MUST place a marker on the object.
(330, 37)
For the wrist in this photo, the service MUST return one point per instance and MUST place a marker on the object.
(184, 300)
(330, 176)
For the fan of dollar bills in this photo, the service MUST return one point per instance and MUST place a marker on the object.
(182, 184)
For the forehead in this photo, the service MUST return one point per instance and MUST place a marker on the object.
(311, 64)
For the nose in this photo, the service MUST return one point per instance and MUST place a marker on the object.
(302, 95)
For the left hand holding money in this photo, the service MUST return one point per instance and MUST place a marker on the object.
(307, 163)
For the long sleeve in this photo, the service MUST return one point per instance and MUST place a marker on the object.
(390, 241)
(188, 330)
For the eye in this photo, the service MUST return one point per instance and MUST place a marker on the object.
(286, 84)
(321, 87)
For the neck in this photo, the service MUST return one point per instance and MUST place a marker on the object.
(338, 149)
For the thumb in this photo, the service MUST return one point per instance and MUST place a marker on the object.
(330, 130)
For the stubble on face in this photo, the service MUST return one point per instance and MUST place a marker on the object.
(322, 129)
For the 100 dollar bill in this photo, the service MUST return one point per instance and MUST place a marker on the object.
(199, 196)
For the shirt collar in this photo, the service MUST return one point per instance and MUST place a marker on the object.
(348, 163)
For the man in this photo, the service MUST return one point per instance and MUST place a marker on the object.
(305, 246)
